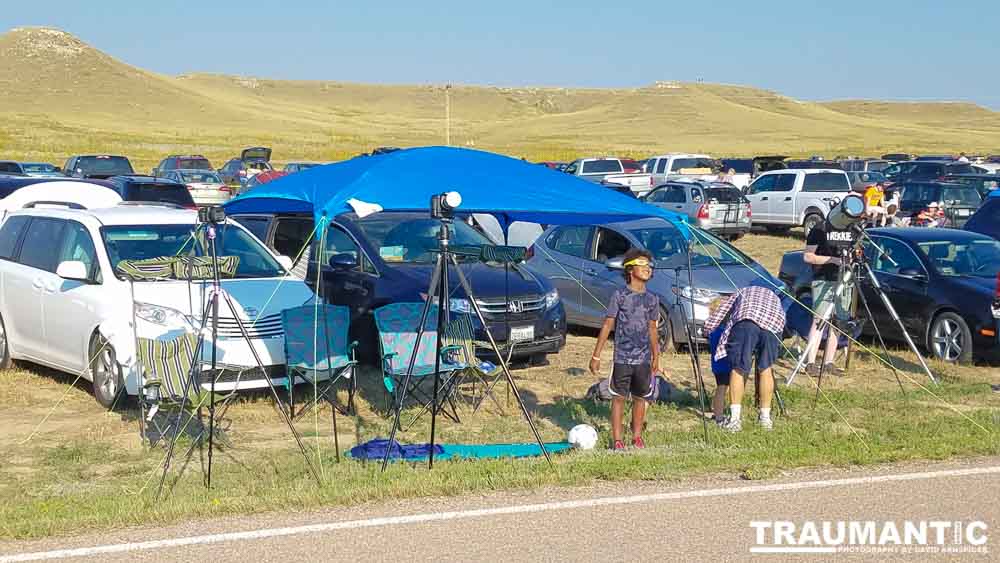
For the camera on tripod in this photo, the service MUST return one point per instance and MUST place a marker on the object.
(443, 205)
(213, 214)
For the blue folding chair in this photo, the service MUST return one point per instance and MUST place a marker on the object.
(397, 325)
(317, 352)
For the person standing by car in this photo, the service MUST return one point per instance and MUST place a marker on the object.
(824, 258)
(753, 319)
(632, 314)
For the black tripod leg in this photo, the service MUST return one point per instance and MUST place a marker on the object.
(878, 334)
(400, 394)
(503, 362)
(274, 392)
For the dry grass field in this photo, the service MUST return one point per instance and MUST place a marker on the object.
(63, 97)
(70, 465)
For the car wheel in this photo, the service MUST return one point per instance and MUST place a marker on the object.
(665, 332)
(776, 229)
(810, 223)
(950, 339)
(105, 373)
(734, 238)
(5, 361)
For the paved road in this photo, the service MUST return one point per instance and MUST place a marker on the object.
(707, 520)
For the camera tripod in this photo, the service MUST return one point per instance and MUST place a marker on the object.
(211, 311)
(852, 270)
(438, 291)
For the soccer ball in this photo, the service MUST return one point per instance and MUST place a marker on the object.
(582, 436)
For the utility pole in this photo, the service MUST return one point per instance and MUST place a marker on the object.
(447, 115)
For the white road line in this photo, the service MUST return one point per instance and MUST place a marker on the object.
(503, 510)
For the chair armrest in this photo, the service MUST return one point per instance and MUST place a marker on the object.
(351, 349)
(453, 348)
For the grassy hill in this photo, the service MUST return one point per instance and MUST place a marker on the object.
(62, 96)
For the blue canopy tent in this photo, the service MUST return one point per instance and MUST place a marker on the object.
(404, 180)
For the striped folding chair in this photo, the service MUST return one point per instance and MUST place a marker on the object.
(397, 325)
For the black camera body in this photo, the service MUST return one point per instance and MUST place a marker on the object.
(443, 205)
(212, 214)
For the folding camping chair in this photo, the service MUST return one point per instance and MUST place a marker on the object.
(397, 325)
(317, 352)
(460, 332)
(170, 385)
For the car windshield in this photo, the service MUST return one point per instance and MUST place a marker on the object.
(724, 195)
(38, 168)
(200, 178)
(141, 242)
(258, 165)
(410, 238)
(104, 165)
(979, 258)
(160, 192)
(877, 166)
(194, 163)
(686, 163)
(667, 245)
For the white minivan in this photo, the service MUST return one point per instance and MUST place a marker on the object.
(64, 304)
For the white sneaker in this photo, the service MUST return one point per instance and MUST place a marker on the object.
(766, 423)
(721, 420)
(732, 425)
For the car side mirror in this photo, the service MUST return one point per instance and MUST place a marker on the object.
(913, 273)
(58, 168)
(343, 261)
(285, 262)
(615, 263)
(73, 270)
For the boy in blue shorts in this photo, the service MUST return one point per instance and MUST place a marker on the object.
(721, 371)
(632, 315)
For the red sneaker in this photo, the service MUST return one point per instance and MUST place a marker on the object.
(637, 443)
(619, 446)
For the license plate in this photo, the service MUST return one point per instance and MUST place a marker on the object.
(522, 333)
(964, 212)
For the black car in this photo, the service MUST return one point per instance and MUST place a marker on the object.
(182, 162)
(984, 183)
(986, 220)
(387, 258)
(152, 190)
(99, 166)
(942, 282)
(959, 201)
(925, 170)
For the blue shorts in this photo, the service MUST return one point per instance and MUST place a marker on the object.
(720, 368)
(748, 341)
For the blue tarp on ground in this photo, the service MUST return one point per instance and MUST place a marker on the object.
(404, 180)
(375, 450)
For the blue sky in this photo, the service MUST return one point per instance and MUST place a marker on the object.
(807, 49)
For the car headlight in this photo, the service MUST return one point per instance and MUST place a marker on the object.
(698, 295)
(552, 299)
(460, 306)
(162, 316)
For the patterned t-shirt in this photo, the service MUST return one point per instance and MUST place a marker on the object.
(632, 313)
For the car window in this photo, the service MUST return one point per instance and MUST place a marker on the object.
(166, 193)
(192, 164)
(979, 258)
(611, 244)
(256, 225)
(675, 194)
(571, 168)
(104, 165)
(10, 233)
(696, 196)
(692, 163)
(291, 234)
(661, 165)
(920, 193)
(339, 242)
(657, 195)
(78, 245)
(961, 196)
(572, 241)
(784, 182)
(891, 257)
(960, 168)
(765, 183)
(42, 237)
(826, 182)
(603, 166)
(413, 237)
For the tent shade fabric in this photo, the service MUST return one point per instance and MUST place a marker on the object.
(405, 180)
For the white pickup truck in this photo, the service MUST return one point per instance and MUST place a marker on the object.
(783, 199)
(675, 165)
(609, 171)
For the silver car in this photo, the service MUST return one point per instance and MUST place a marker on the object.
(585, 264)
(206, 186)
(718, 207)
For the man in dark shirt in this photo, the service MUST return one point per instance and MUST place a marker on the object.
(824, 255)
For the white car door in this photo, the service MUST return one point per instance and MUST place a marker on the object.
(783, 200)
(75, 307)
(15, 282)
(759, 193)
(28, 282)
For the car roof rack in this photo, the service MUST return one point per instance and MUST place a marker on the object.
(66, 204)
